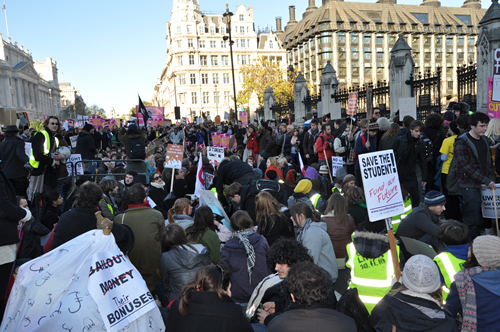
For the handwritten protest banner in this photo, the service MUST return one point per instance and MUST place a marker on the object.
(336, 164)
(72, 163)
(173, 159)
(381, 185)
(487, 206)
(215, 155)
(352, 105)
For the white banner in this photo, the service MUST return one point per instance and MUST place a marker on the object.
(336, 110)
(215, 155)
(71, 164)
(407, 106)
(118, 289)
(27, 148)
(381, 184)
(73, 140)
(487, 206)
(336, 164)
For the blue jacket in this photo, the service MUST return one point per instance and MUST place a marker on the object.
(487, 290)
(200, 137)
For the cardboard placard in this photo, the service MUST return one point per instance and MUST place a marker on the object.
(224, 140)
(381, 184)
(352, 107)
(216, 139)
(73, 140)
(493, 109)
(244, 118)
(487, 206)
(217, 120)
(215, 155)
(27, 148)
(336, 110)
(73, 163)
(174, 156)
(408, 106)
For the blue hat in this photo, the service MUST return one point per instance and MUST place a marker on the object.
(133, 126)
(434, 198)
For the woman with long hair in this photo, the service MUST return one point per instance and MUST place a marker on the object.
(251, 144)
(205, 304)
(203, 231)
(50, 213)
(416, 304)
(355, 198)
(179, 261)
(180, 213)
(312, 234)
(245, 257)
(340, 225)
(271, 221)
(295, 143)
(272, 164)
(388, 137)
(108, 204)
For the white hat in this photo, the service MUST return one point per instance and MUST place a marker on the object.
(421, 275)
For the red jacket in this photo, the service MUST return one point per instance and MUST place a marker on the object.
(252, 143)
(321, 146)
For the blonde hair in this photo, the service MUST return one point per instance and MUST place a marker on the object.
(273, 161)
(180, 207)
(493, 128)
(281, 162)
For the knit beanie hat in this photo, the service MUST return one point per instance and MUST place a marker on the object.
(341, 173)
(486, 249)
(132, 126)
(349, 178)
(303, 187)
(315, 166)
(433, 198)
(263, 154)
(454, 128)
(323, 169)
(421, 275)
(271, 174)
(88, 127)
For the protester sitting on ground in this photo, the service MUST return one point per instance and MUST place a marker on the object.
(180, 190)
(475, 294)
(319, 204)
(179, 262)
(147, 225)
(244, 255)
(308, 287)
(272, 164)
(107, 204)
(370, 262)
(203, 231)
(291, 181)
(205, 304)
(301, 194)
(455, 236)
(51, 213)
(312, 234)
(340, 225)
(416, 304)
(423, 222)
(271, 221)
(355, 198)
(180, 213)
(157, 190)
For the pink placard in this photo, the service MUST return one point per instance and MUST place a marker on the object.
(493, 106)
(244, 118)
(154, 111)
(224, 140)
(216, 139)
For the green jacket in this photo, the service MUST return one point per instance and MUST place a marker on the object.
(211, 241)
(147, 225)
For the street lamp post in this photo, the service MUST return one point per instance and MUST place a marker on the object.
(175, 89)
(216, 97)
(228, 15)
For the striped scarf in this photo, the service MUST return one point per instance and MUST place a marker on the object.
(467, 295)
(301, 231)
(243, 237)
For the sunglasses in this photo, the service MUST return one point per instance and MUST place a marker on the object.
(156, 178)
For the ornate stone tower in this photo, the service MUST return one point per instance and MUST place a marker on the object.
(401, 66)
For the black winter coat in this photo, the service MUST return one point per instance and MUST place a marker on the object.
(13, 158)
(10, 213)
(208, 313)
(85, 145)
(408, 150)
(74, 223)
(157, 194)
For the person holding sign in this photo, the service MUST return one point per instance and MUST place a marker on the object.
(409, 149)
(474, 168)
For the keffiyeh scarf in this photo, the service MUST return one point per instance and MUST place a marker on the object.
(243, 237)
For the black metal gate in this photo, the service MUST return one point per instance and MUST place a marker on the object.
(467, 85)
(426, 89)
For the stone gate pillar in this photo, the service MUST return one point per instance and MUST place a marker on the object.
(329, 86)
(300, 91)
(269, 101)
(401, 66)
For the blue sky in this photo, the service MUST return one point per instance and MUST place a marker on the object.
(111, 50)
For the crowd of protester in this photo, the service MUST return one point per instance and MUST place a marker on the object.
(293, 248)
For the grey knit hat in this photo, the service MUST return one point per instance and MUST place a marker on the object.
(486, 249)
(421, 275)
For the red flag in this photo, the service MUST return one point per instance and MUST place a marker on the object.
(302, 168)
(3, 8)
(200, 181)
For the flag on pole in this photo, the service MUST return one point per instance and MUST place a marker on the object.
(143, 111)
(302, 168)
(3, 8)
(200, 182)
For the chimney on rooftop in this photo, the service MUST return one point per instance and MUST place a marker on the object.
(278, 24)
(291, 11)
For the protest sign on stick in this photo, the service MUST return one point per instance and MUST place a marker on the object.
(174, 156)
(215, 155)
(336, 164)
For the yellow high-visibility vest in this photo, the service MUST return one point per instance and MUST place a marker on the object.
(46, 148)
(314, 199)
(449, 265)
(372, 277)
(396, 220)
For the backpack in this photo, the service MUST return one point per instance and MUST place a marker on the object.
(137, 149)
(343, 144)
(315, 138)
(350, 305)
(270, 186)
